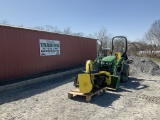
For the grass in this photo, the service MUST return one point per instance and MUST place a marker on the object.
(155, 59)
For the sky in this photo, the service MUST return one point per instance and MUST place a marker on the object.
(131, 18)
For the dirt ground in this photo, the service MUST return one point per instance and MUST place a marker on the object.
(136, 99)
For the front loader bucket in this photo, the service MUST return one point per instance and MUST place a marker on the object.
(115, 81)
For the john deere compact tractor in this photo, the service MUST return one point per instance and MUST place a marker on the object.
(106, 71)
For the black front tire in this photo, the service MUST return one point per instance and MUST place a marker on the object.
(125, 73)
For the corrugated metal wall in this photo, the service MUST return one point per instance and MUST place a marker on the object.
(20, 52)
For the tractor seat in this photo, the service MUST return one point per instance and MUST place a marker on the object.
(124, 55)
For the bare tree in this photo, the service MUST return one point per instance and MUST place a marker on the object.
(103, 38)
(153, 34)
(39, 28)
(56, 29)
(4, 22)
(67, 31)
(90, 36)
(49, 28)
(81, 34)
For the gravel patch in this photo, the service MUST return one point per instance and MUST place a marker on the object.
(136, 99)
(141, 65)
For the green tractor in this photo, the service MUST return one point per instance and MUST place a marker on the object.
(107, 70)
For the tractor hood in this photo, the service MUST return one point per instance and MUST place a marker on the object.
(110, 59)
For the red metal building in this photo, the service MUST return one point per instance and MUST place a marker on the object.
(20, 52)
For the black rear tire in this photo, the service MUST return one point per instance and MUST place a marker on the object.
(125, 73)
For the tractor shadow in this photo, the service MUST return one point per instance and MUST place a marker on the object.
(106, 99)
(132, 84)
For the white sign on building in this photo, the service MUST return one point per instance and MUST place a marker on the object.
(49, 47)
